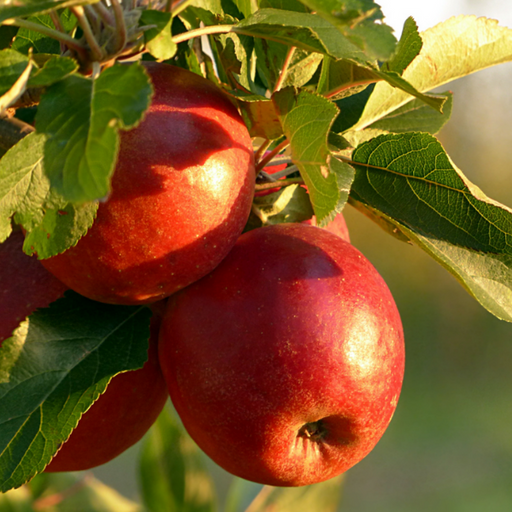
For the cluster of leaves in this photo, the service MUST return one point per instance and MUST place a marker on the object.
(325, 79)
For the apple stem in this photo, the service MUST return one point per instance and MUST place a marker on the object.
(278, 184)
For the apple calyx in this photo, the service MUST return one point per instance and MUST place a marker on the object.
(314, 431)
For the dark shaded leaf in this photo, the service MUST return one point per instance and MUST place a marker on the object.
(53, 368)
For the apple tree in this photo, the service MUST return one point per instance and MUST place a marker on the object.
(325, 93)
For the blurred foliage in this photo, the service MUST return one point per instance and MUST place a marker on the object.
(449, 446)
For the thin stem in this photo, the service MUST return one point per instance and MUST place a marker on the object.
(284, 71)
(345, 87)
(257, 211)
(47, 31)
(121, 36)
(285, 172)
(104, 14)
(93, 18)
(278, 184)
(265, 144)
(179, 6)
(56, 21)
(18, 88)
(204, 31)
(264, 161)
(96, 51)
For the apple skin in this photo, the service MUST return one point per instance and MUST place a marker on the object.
(338, 225)
(121, 415)
(25, 285)
(181, 195)
(285, 363)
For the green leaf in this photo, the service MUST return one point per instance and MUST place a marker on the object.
(23, 185)
(52, 225)
(81, 119)
(22, 8)
(27, 39)
(411, 180)
(246, 7)
(341, 78)
(159, 41)
(416, 116)
(289, 204)
(54, 70)
(451, 50)
(408, 48)
(171, 471)
(209, 12)
(314, 34)
(59, 229)
(306, 119)
(53, 368)
(272, 57)
(12, 65)
(356, 19)
(306, 31)
(236, 59)
(285, 5)
(395, 80)
(321, 497)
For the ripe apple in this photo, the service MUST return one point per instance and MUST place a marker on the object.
(285, 363)
(25, 285)
(132, 401)
(121, 415)
(338, 225)
(181, 195)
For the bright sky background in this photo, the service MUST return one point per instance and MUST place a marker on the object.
(428, 13)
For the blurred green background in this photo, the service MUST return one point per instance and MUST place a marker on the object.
(449, 446)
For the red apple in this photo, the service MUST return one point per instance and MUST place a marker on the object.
(181, 195)
(120, 417)
(132, 401)
(338, 226)
(286, 362)
(25, 285)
